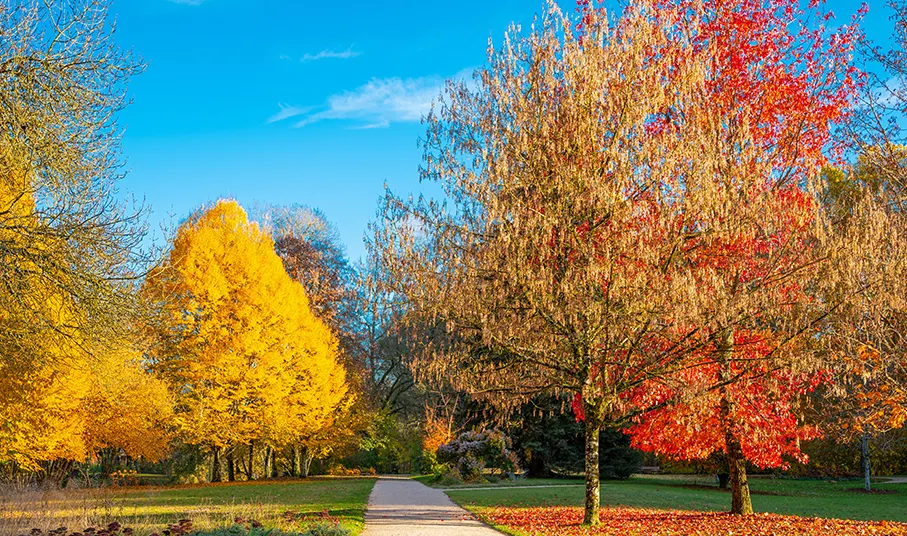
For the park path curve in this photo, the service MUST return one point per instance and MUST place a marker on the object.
(404, 507)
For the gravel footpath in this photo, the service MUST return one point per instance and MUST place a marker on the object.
(405, 507)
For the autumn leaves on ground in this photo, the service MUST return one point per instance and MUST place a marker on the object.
(691, 504)
(672, 233)
(634, 521)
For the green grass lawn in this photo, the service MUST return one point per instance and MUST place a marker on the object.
(285, 504)
(815, 498)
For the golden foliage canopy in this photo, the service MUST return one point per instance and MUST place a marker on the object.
(236, 338)
(65, 390)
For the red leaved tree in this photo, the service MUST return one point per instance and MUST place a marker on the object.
(759, 410)
(775, 83)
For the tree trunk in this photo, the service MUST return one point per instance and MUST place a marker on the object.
(538, 468)
(723, 479)
(231, 466)
(241, 463)
(293, 465)
(741, 503)
(305, 456)
(273, 464)
(215, 465)
(250, 472)
(864, 451)
(593, 484)
(267, 463)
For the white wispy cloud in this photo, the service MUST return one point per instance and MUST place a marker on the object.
(376, 104)
(331, 54)
(188, 2)
(287, 111)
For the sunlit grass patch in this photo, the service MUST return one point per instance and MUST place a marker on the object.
(287, 505)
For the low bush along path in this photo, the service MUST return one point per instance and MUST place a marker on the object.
(405, 507)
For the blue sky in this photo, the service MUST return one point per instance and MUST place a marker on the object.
(301, 102)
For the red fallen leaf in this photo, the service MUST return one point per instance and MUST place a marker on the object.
(567, 521)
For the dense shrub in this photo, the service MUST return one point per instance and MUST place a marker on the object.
(616, 458)
(834, 458)
(389, 445)
(447, 477)
(428, 463)
(472, 452)
(124, 477)
(550, 442)
(339, 470)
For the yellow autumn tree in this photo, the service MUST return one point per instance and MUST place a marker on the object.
(236, 340)
(35, 397)
(64, 392)
(127, 408)
(69, 248)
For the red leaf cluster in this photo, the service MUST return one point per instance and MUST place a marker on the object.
(567, 521)
(765, 410)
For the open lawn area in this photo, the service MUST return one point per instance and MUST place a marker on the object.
(660, 504)
(286, 504)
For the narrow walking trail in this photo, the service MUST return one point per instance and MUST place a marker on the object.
(404, 507)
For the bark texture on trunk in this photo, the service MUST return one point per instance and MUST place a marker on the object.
(867, 468)
(215, 465)
(741, 503)
(294, 461)
(593, 422)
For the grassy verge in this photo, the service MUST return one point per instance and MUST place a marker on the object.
(813, 498)
(285, 504)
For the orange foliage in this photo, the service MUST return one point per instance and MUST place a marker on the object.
(437, 433)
